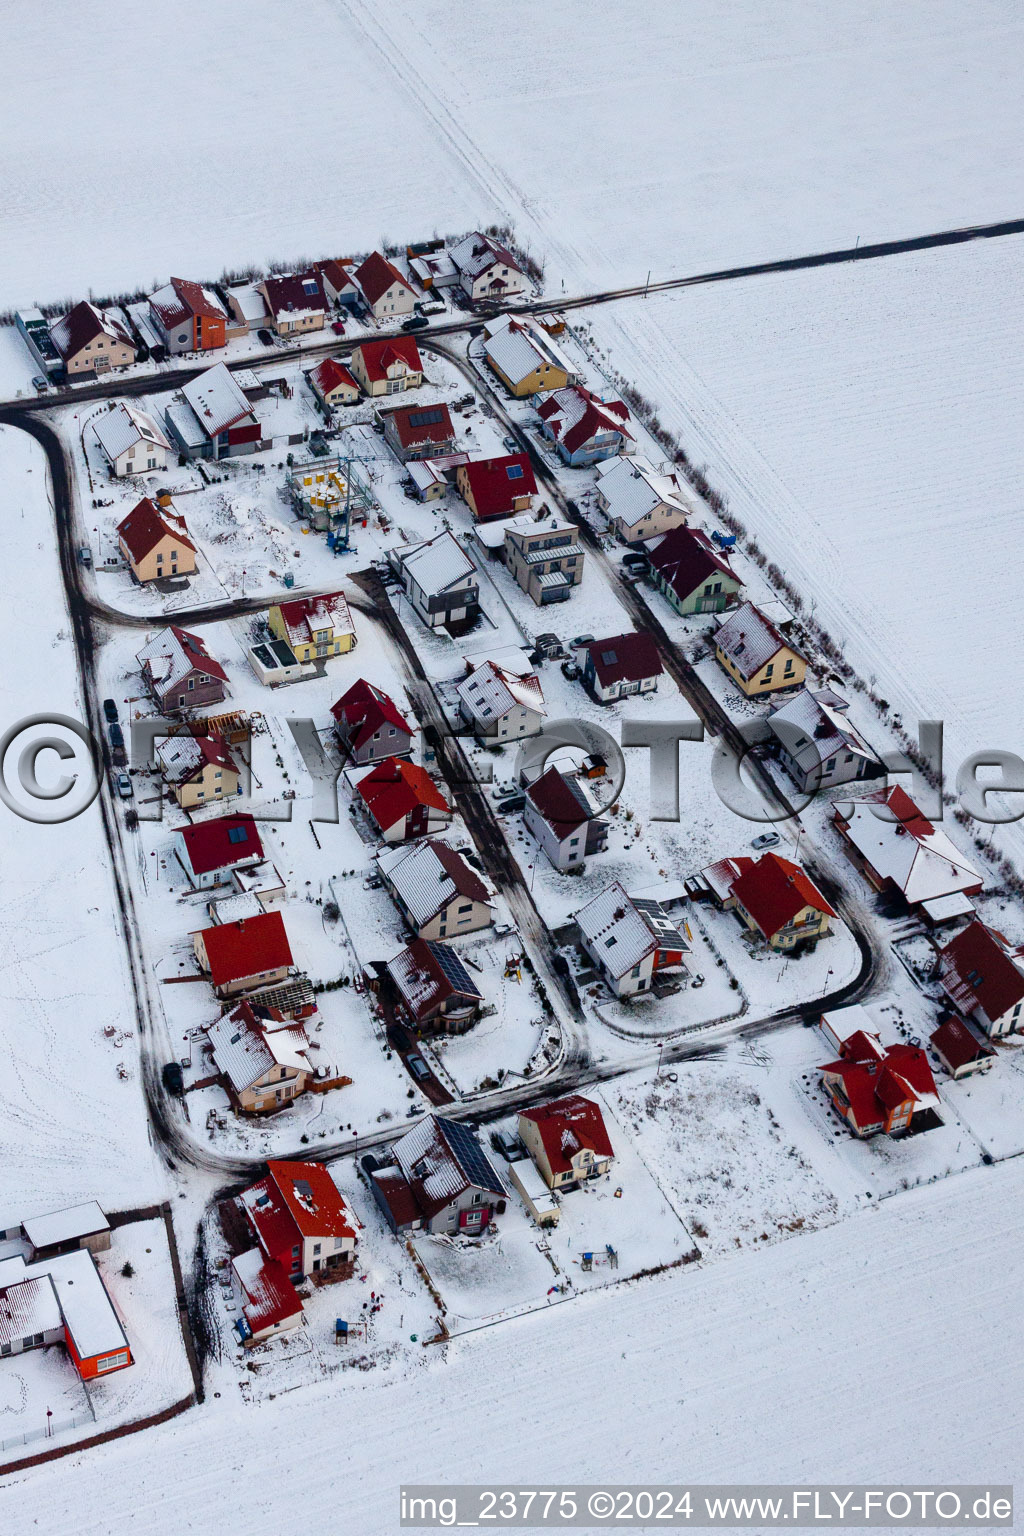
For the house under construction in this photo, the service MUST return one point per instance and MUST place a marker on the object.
(331, 494)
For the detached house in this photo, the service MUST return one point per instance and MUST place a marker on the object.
(387, 367)
(691, 574)
(584, 427)
(262, 1060)
(817, 745)
(244, 956)
(640, 503)
(300, 1221)
(500, 704)
(179, 671)
(631, 940)
(622, 666)
(418, 431)
(433, 988)
(755, 656)
(900, 852)
(497, 487)
(339, 286)
(440, 1180)
(61, 1299)
(439, 579)
(199, 770)
(333, 384)
(91, 341)
(567, 1140)
(385, 291)
(314, 628)
(437, 892)
(962, 1049)
(564, 820)
(779, 900)
(983, 977)
(296, 302)
(876, 1088)
(524, 356)
(132, 442)
(369, 725)
(212, 417)
(545, 558)
(188, 317)
(486, 269)
(154, 541)
(210, 851)
(403, 800)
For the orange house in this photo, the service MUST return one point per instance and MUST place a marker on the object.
(189, 317)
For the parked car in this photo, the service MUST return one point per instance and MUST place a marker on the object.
(415, 323)
(635, 562)
(579, 641)
(418, 1067)
(766, 840)
(338, 327)
(511, 803)
(570, 671)
(125, 788)
(173, 1078)
(265, 338)
(84, 555)
(110, 710)
(40, 385)
(431, 306)
(116, 735)
(510, 444)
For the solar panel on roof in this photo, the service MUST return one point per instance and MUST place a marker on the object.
(453, 968)
(608, 658)
(426, 418)
(470, 1155)
(238, 834)
(514, 471)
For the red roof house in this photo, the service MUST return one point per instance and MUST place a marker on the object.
(780, 901)
(151, 530)
(210, 850)
(567, 1140)
(623, 665)
(497, 487)
(299, 1219)
(188, 316)
(983, 977)
(383, 286)
(333, 384)
(691, 573)
(252, 952)
(961, 1049)
(269, 1301)
(877, 1088)
(419, 431)
(296, 301)
(403, 800)
(381, 366)
(369, 725)
(91, 341)
(583, 427)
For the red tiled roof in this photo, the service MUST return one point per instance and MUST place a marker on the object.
(378, 356)
(685, 557)
(394, 788)
(560, 807)
(376, 276)
(902, 1076)
(337, 273)
(566, 1126)
(411, 430)
(209, 844)
(493, 491)
(209, 751)
(191, 301)
(597, 416)
(957, 1043)
(270, 1296)
(773, 890)
(330, 374)
(364, 709)
(144, 527)
(83, 324)
(295, 292)
(303, 616)
(245, 948)
(636, 656)
(977, 973)
(312, 1199)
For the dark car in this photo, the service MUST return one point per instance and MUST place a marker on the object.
(40, 385)
(116, 735)
(415, 323)
(265, 338)
(511, 803)
(173, 1078)
(635, 562)
(110, 710)
(418, 1067)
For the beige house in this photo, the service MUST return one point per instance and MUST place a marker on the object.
(199, 770)
(567, 1140)
(154, 542)
(296, 301)
(544, 557)
(640, 503)
(439, 894)
(387, 367)
(245, 956)
(91, 341)
(754, 654)
(263, 1062)
(384, 289)
(524, 356)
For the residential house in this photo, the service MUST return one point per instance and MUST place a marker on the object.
(212, 417)
(299, 1220)
(314, 628)
(338, 283)
(369, 725)
(260, 1058)
(691, 573)
(567, 1140)
(440, 581)
(433, 988)
(188, 317)
(639, 502)
(876, 1088)
(487, 270)
(524, 356)
(418, 431)
(440, 1180)
(903, 854)
(385, 291)
(817, 745)
(403, 800)
(296, 302)
(179, 672)
(545, 558)
(779, 900)
(439, 894)
(248, 309)
(434, 270)
(269, 1304)
(62, 1300)
(631, 939)
(199, 770)
(210, 851)
(585, 427)
(497, 487)
(91, 341)
(154, 541)
(501, 704)
(983, 977)
(755, 656)
(622, 665)
(431, 479)
(333, 384)
(387, 367)
(564, 820)
(132, 442)
(962, 1049)
(244, 956)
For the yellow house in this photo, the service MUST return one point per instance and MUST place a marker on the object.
(314, 627)
(755, 656)
(92, 341)
(524, 356)
(199, 769)
(154, 542)
(777, 899)
(387, 367)
(263, 1062)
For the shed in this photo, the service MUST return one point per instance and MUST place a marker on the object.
(79, 1226)
(538, 1199)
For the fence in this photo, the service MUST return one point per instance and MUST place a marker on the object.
(47, 1432)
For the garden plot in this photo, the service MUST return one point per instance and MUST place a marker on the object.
(499, 1047)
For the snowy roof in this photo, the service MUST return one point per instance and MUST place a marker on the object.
(376, 275)
(181, 299)
(490, 691)
(183, 757)
(296, 294)
(723, 873)
(65, 1226)
(87, 1310)
(83, 324)
(435, 564)
(567, 1126)
(245, 1046)
(812, 726)
(250, 302)
(633, 488)
(363, 709)
(574, 415)
(562, 801)
(428, 875)
(519, 346)
(270, 1296)
(123, 427)
(216, 399)
(909, 850)
(28, 1307)
(430, 268)
(749, 640)
(615, 928)
(304, 616)
(379, 356)
(476, 252)
(440, 1158)
(427, 974)
(172, 654)
(980, 972)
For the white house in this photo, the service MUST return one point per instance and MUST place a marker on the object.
(439, 894)
(439, 579)
(486, 269)
(131, 441)
(639, 502)
(564, 820)
(817, 745)
(498, 702)
(629, 939)
(622, 665)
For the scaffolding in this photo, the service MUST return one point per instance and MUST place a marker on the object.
(331, 494)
